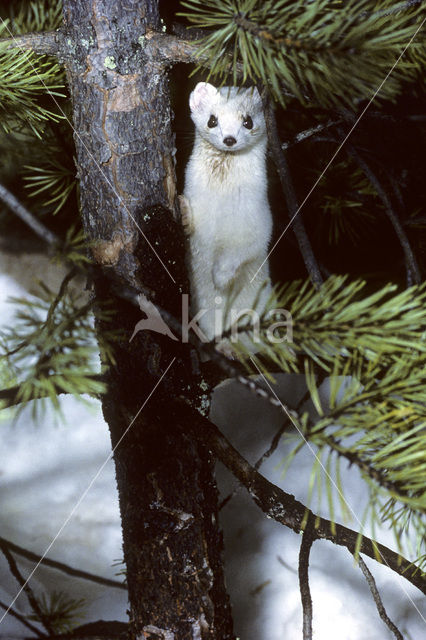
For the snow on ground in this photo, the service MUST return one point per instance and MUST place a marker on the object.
(45, 469)
(262, 555)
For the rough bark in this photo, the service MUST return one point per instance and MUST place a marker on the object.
(125, 148)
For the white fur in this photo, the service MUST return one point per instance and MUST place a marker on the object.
(226, 188)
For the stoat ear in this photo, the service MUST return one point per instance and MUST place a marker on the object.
(253, 94)
(202, 95)
(256, 94)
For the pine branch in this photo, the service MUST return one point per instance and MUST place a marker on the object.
(44, 42)
(308, 133)
(274, 444)
(284, 508)
(11, 397)
(22, 212)
(60, 566)
(319, 50)
(338, 320)
(377, 599)
(305, 591)
(399, 6)
(293, 208)
(271, 449)
(366, 467)
(26, 588)
(165, 49)
(412, 268)
(57, 335)
(168, 49)
(22, 620)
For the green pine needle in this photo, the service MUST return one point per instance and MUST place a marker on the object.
(28, 17)
(331, 53)
(62, 612)
(25, 77)
(52, 346)
(364, 359)
(54, 180)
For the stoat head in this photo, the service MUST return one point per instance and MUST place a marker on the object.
(230, 119)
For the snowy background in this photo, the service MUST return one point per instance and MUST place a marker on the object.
(46, 467)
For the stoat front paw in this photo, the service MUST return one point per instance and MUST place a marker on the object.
(224, 272)
(187, 216)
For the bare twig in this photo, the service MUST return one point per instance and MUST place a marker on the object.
(22, 619)
(412, 268)
(274, 444)
(60, 566)
(399, 6)
(305, 591)
(48, 42)
(10, 396)
(304, 135)
(22, 212)
(26, 588)
(284, 508)
(271, 449)
(164, 48)
(377, 599)
(170, 49)
(293, 208)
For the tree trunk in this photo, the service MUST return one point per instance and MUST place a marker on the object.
(124, 144)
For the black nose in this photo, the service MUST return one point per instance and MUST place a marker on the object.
(229, 141)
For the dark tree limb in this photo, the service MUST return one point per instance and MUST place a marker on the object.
(169, 49)
(165, 49)
(60, 566)
(305, 591)
(10, 396)
(22, 212)
(43, 42)
(377, 599)
(22, 620)
(284, 508)
(367, 468)
(308, 133)
(273, 446)
(271, 449)
(44, 620)
(293, 208)
(412, 268)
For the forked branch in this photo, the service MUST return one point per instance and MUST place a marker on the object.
(284, 508)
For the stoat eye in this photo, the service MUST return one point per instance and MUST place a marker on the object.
(248, 122)
(212, 122)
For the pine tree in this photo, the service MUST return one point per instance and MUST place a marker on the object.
(335, 78)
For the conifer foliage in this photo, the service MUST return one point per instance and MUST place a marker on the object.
(306, 48)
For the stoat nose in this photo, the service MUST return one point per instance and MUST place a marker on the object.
(229, 141)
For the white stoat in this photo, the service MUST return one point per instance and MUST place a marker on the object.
(226, 207)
